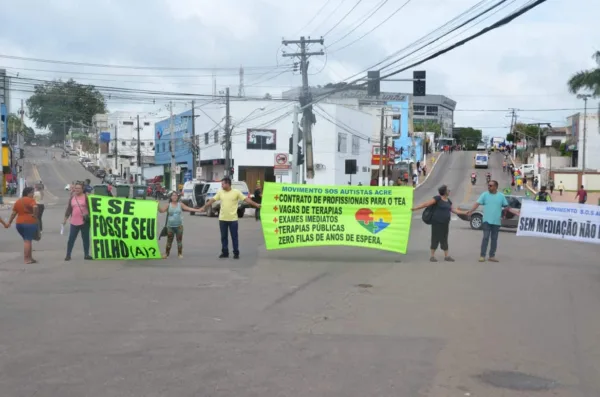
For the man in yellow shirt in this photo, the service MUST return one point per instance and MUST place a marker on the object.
(228, 217)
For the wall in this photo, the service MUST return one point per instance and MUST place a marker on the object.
(550, 139)
(592, 182)
(182, 127)
(570, 180)
(401, 127)
(592, 142)
(573, 179)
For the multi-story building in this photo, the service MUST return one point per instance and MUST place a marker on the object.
(259, 131)
(591, 145)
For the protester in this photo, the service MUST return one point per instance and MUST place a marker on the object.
(581, 195)
(78, 211)
(494, 202)
(440, 221)
(38, 196)
(88, 187)
(174, 209)
(25, 210)
(258, 200)
(561, 188)
(228, 217)
(542, 195)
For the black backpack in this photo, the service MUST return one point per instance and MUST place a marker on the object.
(429, 211)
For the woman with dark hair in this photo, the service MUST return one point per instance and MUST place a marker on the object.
(25, 210)
(79, 212)
(174, 209)
(440, 221)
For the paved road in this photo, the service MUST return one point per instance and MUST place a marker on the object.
(297, 323)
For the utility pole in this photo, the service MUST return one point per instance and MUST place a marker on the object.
(539, 144)
(381, 148)
(2, 161)
(139, 152)
(227, 135)
(195, 148)
(513, 123)
(296, 150)
(116, 150)
(241, 90)
(585, 98)
(308, 118)
(172, 150)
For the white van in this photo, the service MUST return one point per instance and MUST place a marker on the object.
(481, 160)
(527, 169)
(204, 191)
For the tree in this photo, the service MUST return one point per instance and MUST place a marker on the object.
(467, 136)
(510, 138)
(587, 79)
(267, 96)
(16, 126)
(428, 126)
(57, 105)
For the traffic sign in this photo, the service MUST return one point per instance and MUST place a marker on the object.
(282, 162)
(198, 172)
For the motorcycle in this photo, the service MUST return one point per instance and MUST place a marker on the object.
(488, 178)
(473, 180)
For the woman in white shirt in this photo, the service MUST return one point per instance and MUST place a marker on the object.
(38, 196)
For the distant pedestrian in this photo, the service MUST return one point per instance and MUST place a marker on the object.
(258, 200)
(581, 195)
(25, 210)
(494, 202)
(424, 170)
(440, 221)
(38, 196)
(228, 216)
(542, 195)
(551, 186)
(79, 212)
(561, 187)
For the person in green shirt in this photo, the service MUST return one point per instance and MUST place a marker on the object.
(228, 217)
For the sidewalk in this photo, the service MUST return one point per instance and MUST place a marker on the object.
(569, 197)
(432, 160)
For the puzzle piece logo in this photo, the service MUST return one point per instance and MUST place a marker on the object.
(373, 221)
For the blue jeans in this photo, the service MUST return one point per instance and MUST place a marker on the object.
(85, 236)
(489, 231)
(231, 227)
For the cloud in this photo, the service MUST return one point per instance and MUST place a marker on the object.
(523, 65)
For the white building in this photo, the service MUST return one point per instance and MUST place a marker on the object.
(592, 139)
(122, 130)
(262, 129)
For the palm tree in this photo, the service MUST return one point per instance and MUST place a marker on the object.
(588, 80)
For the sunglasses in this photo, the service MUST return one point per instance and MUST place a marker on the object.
(491, 185)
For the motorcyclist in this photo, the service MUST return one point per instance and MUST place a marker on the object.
(543, 195)
(473, 177)
(488, 176)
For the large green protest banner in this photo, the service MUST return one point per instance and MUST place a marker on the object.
(311, 215)
(123, 228)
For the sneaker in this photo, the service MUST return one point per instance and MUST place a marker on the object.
(180, 256)
(165, 256)
(493, 259)
(432, 259)
(481, 259)
(449, 259)
(88, 258)
(67, 258)
(223, 256)
(236, 256)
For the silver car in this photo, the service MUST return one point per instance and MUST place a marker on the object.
(509, 220)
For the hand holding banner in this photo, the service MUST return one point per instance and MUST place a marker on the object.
(312, 215)
(123, 228)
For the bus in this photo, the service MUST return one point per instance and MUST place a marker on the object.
(446, 142)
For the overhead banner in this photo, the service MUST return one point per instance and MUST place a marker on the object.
(311, 215)
(123, 229)
(562, 221)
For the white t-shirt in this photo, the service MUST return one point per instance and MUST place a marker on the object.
(38, 197)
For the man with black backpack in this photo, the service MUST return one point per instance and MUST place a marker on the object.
(543, 195)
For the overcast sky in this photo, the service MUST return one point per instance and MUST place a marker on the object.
(522, 65)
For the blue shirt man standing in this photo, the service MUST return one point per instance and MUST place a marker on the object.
(494, 202)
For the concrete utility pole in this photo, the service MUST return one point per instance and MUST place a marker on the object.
(172, 150)
(585, 98)
(2, 184)
(308, 118)
(116, 150)
(139, 152)
(539, 144)
(195, 148)
(381, 130)
(227, 136)
(295, 136)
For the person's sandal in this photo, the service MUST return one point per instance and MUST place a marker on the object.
(493, 259)
(433, 259)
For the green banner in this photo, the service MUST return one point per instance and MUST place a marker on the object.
(123, 228)
(311, 215)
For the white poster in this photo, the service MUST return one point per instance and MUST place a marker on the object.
(563, 221)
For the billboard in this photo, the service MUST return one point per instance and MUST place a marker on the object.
(261, 139)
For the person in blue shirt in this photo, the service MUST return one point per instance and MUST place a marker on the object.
(494, 203)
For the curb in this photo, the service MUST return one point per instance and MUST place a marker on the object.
(430, 171)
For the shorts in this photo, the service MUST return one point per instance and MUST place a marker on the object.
(27, 230)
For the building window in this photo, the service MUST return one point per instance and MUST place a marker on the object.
(342, 142)
(206, 138)
(127, 122)
(146, 123)
(355, 145)
(419, 110)
(216, 136)
(163, 147)
(261, 139)
(418, 121)
(123, 143)
(432, 110)
(142, 144)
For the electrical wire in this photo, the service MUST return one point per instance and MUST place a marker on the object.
(313, 18)
(366, 18)
(373, 29)
(342, 19)
(328, 17)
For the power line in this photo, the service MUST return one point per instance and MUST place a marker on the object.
(344, 17)
(313, 18)
(328, 16)
(100, 65)
(366, 18)
(374, 28)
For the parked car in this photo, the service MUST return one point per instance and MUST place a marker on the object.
(203, 191)
(100, 173)
(527, 169)
(509, 220)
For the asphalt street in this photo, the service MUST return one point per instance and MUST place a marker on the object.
(302, 322)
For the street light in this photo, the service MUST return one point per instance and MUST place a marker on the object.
(585, 98)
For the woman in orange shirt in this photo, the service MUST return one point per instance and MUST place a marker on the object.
(25, 210)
